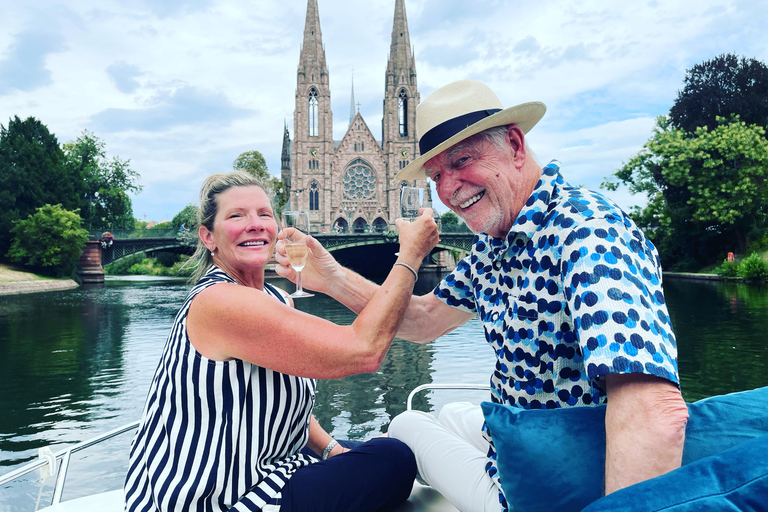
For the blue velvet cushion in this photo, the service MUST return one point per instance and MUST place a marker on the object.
(555, 459)
(734, 480)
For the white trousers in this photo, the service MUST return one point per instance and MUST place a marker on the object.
(451, 454)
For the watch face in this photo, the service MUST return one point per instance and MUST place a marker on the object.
(313, 152)
(404, 152)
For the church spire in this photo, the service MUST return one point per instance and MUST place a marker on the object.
(401, 63)
(352, 101)
(312, 51)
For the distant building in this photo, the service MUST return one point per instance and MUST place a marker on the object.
(349, 184)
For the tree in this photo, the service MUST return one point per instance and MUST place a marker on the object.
(449, 221)
(105, 201)
(722, 86)
(706, 191)
(186, 218)
(49, 241)
(32, 173)
(253, 163)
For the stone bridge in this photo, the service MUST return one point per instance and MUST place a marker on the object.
(348, 248)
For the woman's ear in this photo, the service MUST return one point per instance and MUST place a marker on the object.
(207, 237)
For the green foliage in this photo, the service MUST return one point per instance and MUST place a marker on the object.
(449, 220)
(723, 86)
(139, 264)
(105, 201)
(188, 217)
(753, 267)
(32, 173)
(705, 190)
(50, 241)
(728, 269)
(253, 163)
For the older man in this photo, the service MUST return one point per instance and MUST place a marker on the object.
(568, 290)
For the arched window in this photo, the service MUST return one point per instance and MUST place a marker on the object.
(402, 112)
(313, 112)
(314, 196)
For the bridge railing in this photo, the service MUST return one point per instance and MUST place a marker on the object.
(137, 233)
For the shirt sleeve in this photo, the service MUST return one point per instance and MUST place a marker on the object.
(456, 288)
(612, 284)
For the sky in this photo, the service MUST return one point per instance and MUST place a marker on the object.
(182, 87)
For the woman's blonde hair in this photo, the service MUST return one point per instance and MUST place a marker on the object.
(214, 185)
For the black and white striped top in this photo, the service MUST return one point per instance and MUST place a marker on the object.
(217, 435)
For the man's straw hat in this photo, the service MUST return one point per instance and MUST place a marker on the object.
(458, 111)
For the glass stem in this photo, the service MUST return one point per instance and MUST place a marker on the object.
(298, 281)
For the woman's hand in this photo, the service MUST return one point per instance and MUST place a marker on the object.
(417, 238)
(321, 268)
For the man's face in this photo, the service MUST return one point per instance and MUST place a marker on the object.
(480, 183)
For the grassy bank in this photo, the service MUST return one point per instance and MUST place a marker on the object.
(14, 280)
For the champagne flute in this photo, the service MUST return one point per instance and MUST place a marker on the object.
(297, 251)
(410, 202)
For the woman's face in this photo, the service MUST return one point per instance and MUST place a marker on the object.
(244, 230)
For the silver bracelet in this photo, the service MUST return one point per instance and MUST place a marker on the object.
(328, 448)
(415, 275)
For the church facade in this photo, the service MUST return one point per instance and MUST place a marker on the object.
(349, 185)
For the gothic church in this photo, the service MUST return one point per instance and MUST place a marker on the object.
(349, 185)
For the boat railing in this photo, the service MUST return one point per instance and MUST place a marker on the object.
(430, 386)
(47, 461)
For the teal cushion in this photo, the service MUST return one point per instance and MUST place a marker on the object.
(734, 480)
(555, 459)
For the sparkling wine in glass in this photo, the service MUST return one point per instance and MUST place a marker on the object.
(410, 202)
(297, 251)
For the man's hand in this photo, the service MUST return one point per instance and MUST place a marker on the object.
(321, 269)
(644, 429)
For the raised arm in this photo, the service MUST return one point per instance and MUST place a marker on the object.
(426, 317)
(229, 321)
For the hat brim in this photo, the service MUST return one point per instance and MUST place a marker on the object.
(525, 116)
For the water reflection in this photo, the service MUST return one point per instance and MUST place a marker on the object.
(721, 337)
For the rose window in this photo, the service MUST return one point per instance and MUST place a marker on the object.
(359, 182)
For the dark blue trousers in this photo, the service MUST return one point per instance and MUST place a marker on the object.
(373, 476)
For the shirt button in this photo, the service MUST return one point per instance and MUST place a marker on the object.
(497, 265)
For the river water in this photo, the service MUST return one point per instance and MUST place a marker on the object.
(77, 363)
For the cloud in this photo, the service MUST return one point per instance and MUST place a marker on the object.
(185, 106)
(24, 68)
(124, 75)
(172, 8)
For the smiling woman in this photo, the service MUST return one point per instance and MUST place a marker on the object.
(228, 421)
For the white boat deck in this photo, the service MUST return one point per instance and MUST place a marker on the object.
(422, 499)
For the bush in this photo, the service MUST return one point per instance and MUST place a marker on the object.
(753, 267)
(50, 241)
(728, 269)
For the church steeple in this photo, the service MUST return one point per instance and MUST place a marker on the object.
(312, 51)
(352, 101)
(401, 65)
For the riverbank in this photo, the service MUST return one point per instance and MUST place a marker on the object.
(14, 281)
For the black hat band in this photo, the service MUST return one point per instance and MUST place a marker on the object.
(447, 129)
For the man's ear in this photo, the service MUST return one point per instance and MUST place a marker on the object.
(517, 142)
(207, 237)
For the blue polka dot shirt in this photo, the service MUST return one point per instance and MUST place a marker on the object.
(571, 294)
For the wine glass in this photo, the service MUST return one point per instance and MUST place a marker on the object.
(410, 202)
(297, 251)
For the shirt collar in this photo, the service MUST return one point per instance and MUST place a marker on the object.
(531, 216)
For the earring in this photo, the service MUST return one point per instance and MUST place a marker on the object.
(212, 254)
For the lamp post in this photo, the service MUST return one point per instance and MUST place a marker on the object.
(92, 200)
